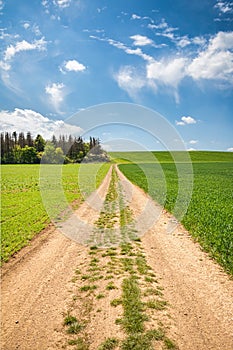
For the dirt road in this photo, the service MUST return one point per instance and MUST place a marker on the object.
(40, 285)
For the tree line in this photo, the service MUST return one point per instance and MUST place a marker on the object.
(24, 149)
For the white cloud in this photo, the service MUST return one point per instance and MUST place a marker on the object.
(23, 120)
(1, 5)
(170, 36)
(126, 49)
(62, 3)
(163, 25)
(216, 62)
(73, 65)
(230, 149)
(138, 52)
(183, 41)
(44, 3)
(164, 30)
(199, 40)
(56, 94)
(224, 6)
(222, 41)
(141, 40)
(193, 142)
(186, 121)
(24, 45)
(101, 9)
(26, 25)
(36, 30)
(169, 73)
(5, 66)
(129, 80)
(135, 16)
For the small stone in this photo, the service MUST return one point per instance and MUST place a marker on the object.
(17, 322)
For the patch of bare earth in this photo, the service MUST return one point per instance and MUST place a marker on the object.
(61, 277)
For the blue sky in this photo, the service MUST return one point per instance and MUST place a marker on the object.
(59, 57)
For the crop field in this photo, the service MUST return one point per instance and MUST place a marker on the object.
(23, 214)
(166, 157)
(209, 217)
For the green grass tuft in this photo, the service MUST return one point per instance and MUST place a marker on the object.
(156, 304)
(73, 324)
(88, 288)
(110, 286)
(116, 302)
(100, 296)
(109, 344)
(169, 343)
(81, 345)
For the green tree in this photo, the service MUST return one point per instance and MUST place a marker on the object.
(29, 139)
(52, 155)
(28, 155)
(59, 155)
(21, 140)
(39, 143)
(17, 154)
(49, 154)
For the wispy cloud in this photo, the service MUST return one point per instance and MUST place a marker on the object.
(101, 9)
(72, 66)
(167, 73)
(23, 45)
(193, 142)
(8, 56)
(1, 5)
(183, 41)
(163, 29)
(56, 94)
(4, 35)
(26, 25)
(125, 48)
(186, 121)
(162, 26)
(141, 40)
(199, 40)
(130, 80)
(5, 66)
(24, 120)
(134, 16)
(34, 28)
(224, 6)
(62, 3)
(230, 149)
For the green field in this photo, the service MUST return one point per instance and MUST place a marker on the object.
(209, 217)
(23, 214)
(166, 157)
